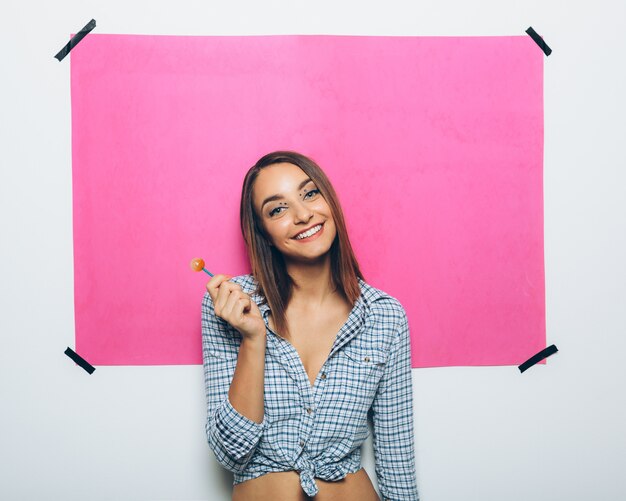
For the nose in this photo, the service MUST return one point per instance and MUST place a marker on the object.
(303, 213)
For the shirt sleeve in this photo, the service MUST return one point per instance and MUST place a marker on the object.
(232, 437)
(392, 415)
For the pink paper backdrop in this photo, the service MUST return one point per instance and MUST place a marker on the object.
(434, 144)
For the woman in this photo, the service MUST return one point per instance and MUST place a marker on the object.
(300, 351)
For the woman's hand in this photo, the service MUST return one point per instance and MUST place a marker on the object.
(236, 307)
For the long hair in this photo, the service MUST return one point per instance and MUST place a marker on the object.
(268, 264)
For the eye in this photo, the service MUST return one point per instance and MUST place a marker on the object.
(312, 191)
(274, 210)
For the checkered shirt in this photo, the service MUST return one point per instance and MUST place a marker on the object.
(318, 430)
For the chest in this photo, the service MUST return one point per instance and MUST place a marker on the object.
(313, 335)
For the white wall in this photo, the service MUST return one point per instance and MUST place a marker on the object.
(555, 432)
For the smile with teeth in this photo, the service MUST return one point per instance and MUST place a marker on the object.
(306, 234)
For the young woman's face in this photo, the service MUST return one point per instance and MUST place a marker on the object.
(288, 203)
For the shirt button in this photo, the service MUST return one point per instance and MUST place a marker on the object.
(309, 410)
(301, 443)
(367, 359)
(323, 375)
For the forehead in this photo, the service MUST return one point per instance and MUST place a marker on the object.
(277, 179)
(276, 172)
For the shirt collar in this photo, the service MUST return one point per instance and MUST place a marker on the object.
(369, 294)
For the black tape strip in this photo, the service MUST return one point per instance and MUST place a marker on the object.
(546, 352)
(75, 39)
(539, 41)
(80, 360)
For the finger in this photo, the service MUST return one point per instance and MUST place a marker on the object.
(237, 313)
(248, 305)
(224, 291)
(233, 309)
(216, 281)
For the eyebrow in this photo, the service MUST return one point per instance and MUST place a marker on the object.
(279, 196)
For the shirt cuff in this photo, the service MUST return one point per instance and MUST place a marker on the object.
(239, 434)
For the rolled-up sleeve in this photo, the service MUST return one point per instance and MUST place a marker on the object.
(232, 436)
(392, 415)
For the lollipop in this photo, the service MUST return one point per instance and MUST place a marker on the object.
(197, 264)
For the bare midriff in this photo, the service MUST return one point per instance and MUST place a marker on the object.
(285, 485)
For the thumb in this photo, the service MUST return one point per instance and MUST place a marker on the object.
(254, 307)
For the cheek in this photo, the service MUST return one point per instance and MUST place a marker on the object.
(281, 230)
(323, 208)
(324, 205)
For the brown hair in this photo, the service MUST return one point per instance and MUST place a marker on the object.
(268, 265)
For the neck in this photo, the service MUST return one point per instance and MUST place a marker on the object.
(312, 284)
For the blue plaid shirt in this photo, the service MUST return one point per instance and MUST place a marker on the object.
(318, 430)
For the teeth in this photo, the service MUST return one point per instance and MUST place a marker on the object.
(312, 231)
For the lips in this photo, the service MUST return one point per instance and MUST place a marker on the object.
(307, 229)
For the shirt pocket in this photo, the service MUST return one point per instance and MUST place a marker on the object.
(366, 357)
(360, 370)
